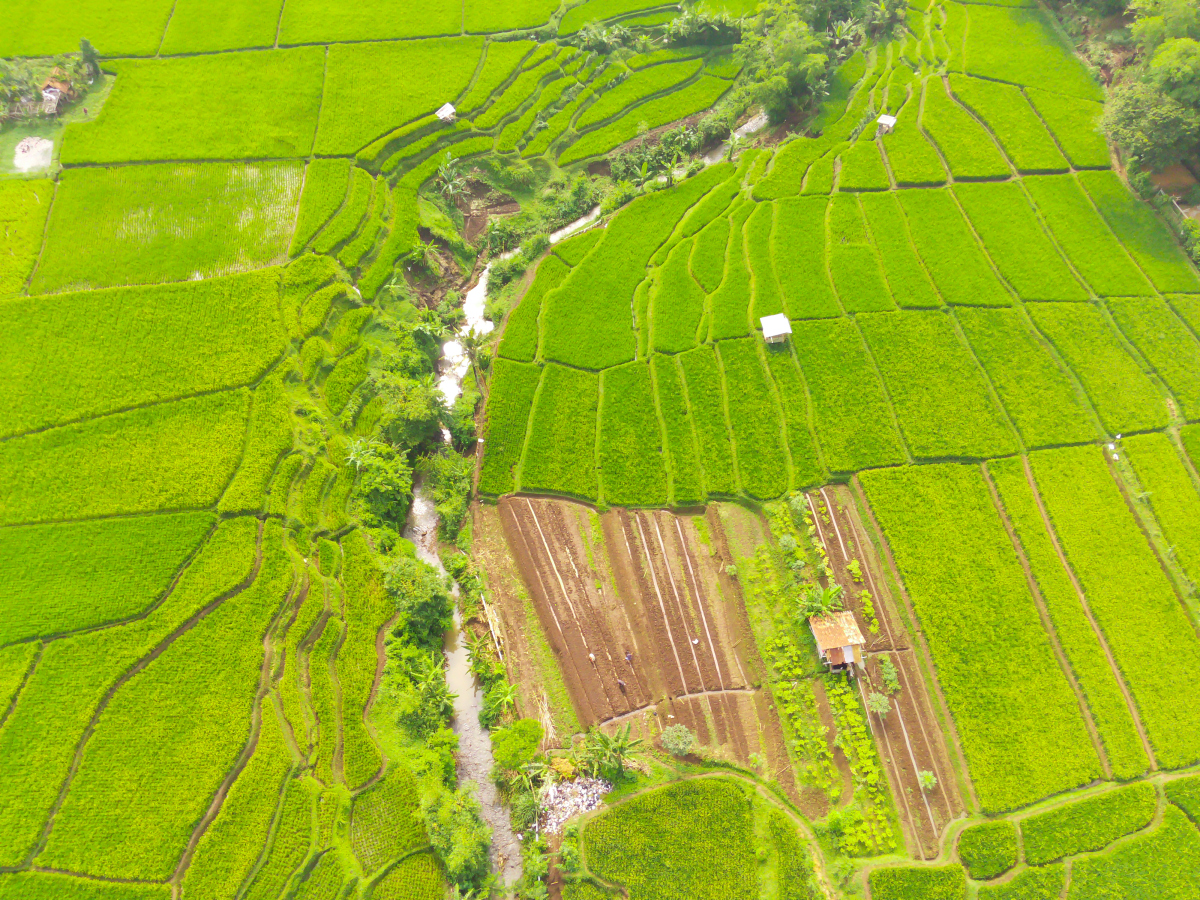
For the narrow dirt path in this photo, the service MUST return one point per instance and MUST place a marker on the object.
(1087, 609)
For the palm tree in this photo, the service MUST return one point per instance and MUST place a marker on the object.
(820, 601)
(613, 752)
(477, 650)
(425, 255)
(451, 182)
(397, 287)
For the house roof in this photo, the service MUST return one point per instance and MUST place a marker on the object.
(836, 630)
(889, 121)
(446, 111)
(775, 325)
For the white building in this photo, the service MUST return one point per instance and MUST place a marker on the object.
(775, 328)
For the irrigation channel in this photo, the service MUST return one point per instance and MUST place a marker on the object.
(474, 742)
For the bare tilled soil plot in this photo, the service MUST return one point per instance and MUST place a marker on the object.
(647, 627)
(908, 738)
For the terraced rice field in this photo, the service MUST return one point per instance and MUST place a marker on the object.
(984, 428)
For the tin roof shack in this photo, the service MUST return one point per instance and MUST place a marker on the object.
(839, 642)
(55, 90)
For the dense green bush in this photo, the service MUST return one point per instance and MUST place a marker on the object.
(988, 849)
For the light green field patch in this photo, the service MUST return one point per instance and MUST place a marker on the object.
(171, 222)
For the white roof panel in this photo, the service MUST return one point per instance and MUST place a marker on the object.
(775, 325)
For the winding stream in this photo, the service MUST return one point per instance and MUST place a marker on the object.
(474, 742)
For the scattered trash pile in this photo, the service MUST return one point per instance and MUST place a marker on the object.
(563, 800)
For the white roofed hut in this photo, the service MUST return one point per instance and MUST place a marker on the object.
(447, 113)
(886, 123)
(775, 328)
(839, 641)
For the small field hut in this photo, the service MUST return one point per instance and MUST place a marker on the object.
(775, 328)
(839, 642)
(446, 113)
(886, 123)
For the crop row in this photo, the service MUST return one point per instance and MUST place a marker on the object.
(129, 814)
(939, 393)
(988, 849)
(1090, 824)
(103, 351)
(289, 843)
(1125, 398)
(418, 877)
(1010, 117)
(23, 208)
(169, 222)
(1171, 494)
(586, 320)
(40, 735)
(1114, 563)
(1080, 642)
(701, 831)
(1024, 738)
(368, 609)
(386, 821)
(69, 576)
(170, 456)
(230, 846)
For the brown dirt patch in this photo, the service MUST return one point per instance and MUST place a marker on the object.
(647, 627)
